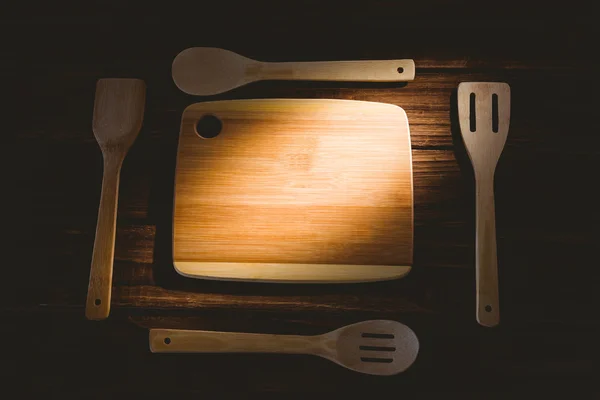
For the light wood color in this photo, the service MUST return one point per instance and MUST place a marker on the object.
(484, 147)
(377, 347)
(294, 191)
(118, 115)
(207, 70)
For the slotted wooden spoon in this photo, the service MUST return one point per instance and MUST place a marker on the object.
(118, 115)
(208, 70)
(377, 347)
(484, 114)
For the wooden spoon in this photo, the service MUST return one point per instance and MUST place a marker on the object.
(118, 115)
(377, 347)
(207, 70)
(484, 114)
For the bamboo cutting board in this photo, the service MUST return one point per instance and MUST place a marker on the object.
(293, 191)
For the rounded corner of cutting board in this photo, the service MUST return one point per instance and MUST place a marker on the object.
(181, 269)
(190, 108)
(395, 106)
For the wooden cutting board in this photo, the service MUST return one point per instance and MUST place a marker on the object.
(294, 191)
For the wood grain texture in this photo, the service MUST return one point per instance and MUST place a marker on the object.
(484, 127)
(322, 185)
(376, 347)
(545, 202)
(208, 70)
(118, 116)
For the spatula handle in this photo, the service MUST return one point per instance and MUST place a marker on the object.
(99, 289)
(192, 341)
(486, 260)
(361, 71)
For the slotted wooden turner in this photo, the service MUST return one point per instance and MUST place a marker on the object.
(377, 347)
(484, 114)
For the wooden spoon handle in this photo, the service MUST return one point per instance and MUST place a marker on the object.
(99, 289)
(188, 341)
(486, 261)
(361, 71)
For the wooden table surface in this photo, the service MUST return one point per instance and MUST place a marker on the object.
(546, 200)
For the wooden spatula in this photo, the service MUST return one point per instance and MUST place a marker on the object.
(484, 114)
(377, 347)
(207, 70)
(118, 115)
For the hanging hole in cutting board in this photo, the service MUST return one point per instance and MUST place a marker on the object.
(488, 308)
(209, 126)
(98, 302)
(167, 340)
(400, 70)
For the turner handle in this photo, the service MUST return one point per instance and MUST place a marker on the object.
(99, 288)
(486, 260)
(192, 341)
(362, 71)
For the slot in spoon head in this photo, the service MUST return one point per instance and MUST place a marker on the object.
(376, 347)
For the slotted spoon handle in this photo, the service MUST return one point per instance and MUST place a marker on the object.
(101, 272)
(192, 341)
(360, 71)
(486, 260)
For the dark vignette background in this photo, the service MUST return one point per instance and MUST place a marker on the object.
(52, 53)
